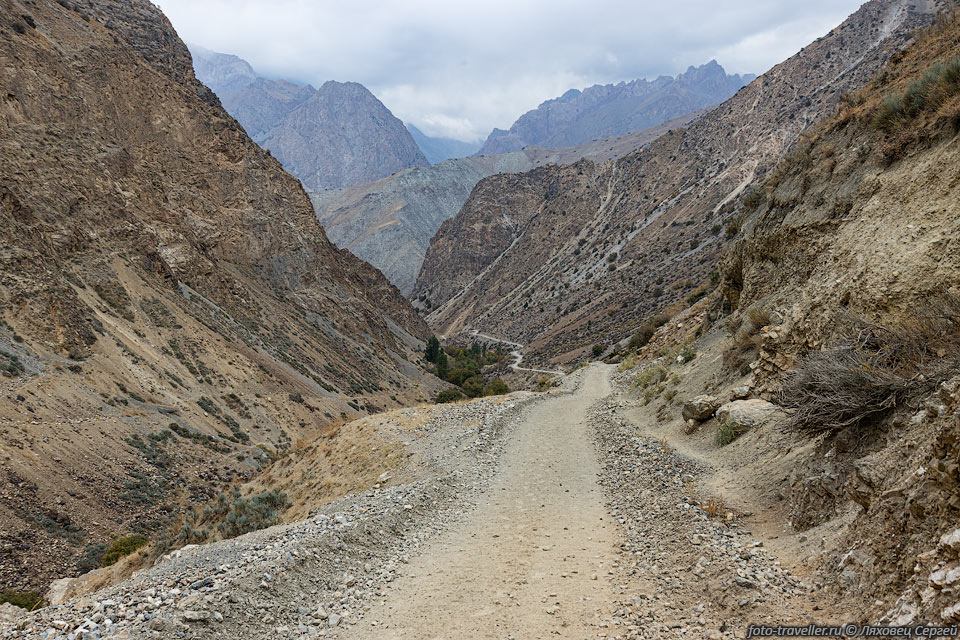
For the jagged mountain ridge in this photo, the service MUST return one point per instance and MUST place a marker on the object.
(172, 311)
(602, 111)
(592, 249)
(334, 136)
(389, 223)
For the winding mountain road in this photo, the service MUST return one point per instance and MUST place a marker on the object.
(517, 355)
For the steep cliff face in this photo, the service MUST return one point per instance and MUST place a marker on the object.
(602, 111)
(389, 222)
(160, 274)
(330, 137)
(645, 230)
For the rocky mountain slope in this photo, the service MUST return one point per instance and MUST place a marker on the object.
(389, 222)
(342, 135)
(850, 261)
(835, 336)
(564, 257)
(334, 136)
(173, 314)
(602, 111)
(440, 149)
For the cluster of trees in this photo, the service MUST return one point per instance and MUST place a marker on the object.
(462, 367)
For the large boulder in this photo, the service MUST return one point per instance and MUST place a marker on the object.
(747, 414)
(700, 408)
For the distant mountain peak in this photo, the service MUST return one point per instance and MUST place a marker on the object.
(608, 110)
(334, 136)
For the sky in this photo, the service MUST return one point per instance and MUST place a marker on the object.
(459, 68)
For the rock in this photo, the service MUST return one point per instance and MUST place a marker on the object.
(191, 615)
(199, 584)
(951, 541)
(333, 620)
(749, 413)
(739, 393)
(57, 592)
(700, 408)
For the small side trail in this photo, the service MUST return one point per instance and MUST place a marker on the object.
(534, 558)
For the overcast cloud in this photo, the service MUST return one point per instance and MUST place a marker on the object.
(458, 69)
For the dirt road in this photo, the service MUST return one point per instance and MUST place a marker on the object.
(531, 560)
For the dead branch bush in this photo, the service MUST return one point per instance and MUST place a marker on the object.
(875, 370)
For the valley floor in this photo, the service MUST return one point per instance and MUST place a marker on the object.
(537, 516)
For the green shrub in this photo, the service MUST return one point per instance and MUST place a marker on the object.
(929, 91)
(496, 387)
(643, 335)
(752, 198)
(473, 386)
(92, 556)
(728, 431)
(448, 395)
(122, 547)
(597, 350)
(28, 600)
(251, 514)
(651, 376)
(687, 353)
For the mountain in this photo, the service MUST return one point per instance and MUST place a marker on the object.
(342, 135)
(173, 314)
(602, 111)
(565, 257)
(440, 149)
(334, 136)
(845, 256)
(389, 222)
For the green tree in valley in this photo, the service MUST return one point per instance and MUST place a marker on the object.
(443, 367)
(432, 352)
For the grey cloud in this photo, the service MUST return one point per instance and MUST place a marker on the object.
(461, 68)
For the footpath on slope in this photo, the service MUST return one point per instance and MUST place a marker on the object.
(533, 559)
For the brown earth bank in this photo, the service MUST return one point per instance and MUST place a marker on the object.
(173, 314)
(561, 258)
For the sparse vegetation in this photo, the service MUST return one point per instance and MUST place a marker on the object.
(241, 515)
(448, 395)
(92, 556)
(597, 350)
(548, 382)
(728, 431)
(874, 370)
(752, 199)
(28, 600)
(642, 336)
(121, 547)
(10, 365)
(940, 82)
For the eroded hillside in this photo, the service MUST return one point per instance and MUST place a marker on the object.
(390, 222)
(823, 383)
(173, 313)
(595, 248)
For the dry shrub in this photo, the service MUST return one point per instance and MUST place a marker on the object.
(875, 370)
(746, 340)
(715, 508)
